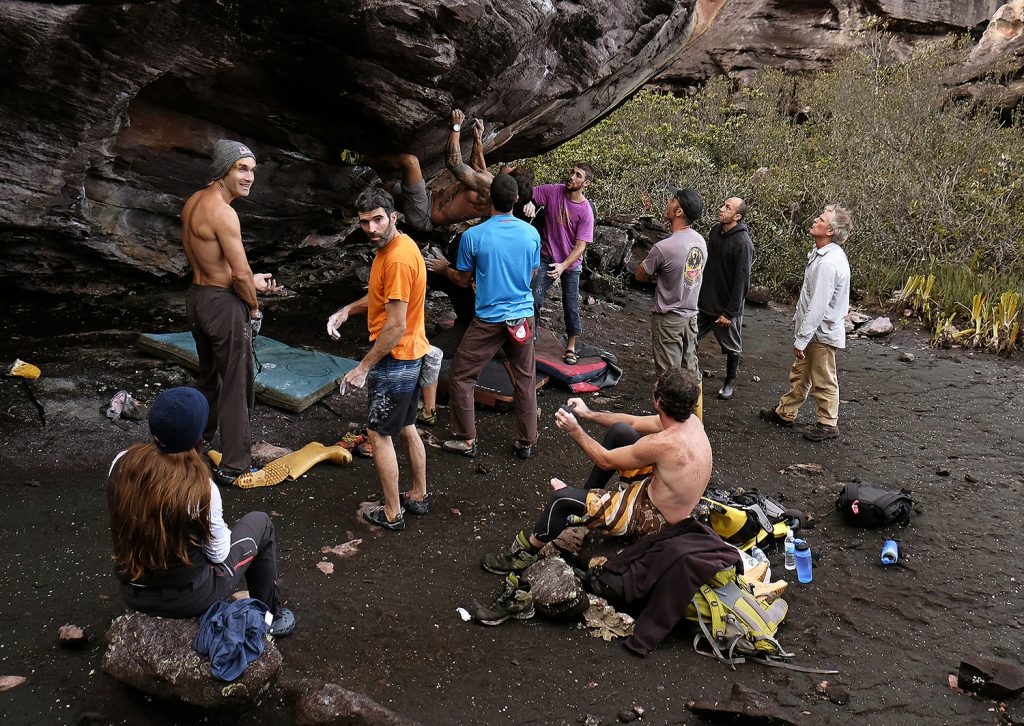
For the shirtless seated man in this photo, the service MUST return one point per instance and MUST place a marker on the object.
(672, 442)
(468, 198)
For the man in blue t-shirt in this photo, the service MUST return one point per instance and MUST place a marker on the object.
(504, 252)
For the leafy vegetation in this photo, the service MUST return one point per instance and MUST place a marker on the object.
(935, 186)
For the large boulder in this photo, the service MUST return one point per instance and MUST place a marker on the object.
(155, 656)
(110, 110)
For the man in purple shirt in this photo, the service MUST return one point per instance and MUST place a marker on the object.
(568, 227)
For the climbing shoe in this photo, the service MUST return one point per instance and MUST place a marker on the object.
(521, 556)
(416, 506)
(514, 601)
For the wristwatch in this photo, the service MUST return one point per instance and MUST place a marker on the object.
(456, 127)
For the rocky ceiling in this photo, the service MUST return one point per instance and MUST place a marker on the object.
(110, 109)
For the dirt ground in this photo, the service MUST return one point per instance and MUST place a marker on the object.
(947, 426)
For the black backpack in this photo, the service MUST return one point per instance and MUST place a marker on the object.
(865, 505)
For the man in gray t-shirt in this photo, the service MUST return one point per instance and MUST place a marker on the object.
(676, 265)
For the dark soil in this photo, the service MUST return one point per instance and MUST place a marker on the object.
(947, 426)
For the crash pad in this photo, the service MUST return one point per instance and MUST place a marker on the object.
(595, 369)
(289, 378)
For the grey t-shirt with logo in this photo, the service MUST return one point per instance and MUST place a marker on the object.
(678, 262)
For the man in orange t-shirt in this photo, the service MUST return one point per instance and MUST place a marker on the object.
(391, 370)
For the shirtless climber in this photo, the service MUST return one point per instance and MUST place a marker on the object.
(221, 307)
(672, 442)
(468, 198)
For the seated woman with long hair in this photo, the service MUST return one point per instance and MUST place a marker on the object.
(174, 555)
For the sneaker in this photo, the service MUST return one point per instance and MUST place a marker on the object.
(772, 416)
(283, 624)
(378, 517)
(821, 432)
(523, 451)
(514, 601)
(462, 447)
(515, 560)
(423, 418)
(416, 506)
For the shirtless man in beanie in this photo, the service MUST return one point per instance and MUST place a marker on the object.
(221, 307)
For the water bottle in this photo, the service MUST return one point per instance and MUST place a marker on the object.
(790, 548)
(890, 552)
(758, 555)
(803, 562)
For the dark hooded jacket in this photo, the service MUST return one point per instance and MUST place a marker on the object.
(727, 271)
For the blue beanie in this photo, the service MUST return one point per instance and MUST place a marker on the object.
(177, 419)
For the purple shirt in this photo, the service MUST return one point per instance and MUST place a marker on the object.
(565, 221)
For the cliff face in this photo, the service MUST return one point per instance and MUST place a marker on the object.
(808, 35)
(110, 109)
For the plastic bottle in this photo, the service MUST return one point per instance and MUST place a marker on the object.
(758, 555)
(803, 562)
(890, 552)
(790, 548)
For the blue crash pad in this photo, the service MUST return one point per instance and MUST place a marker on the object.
(292, 378)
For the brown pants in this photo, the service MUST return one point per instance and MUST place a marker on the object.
(481, 341)
(219, 322)
(814, 375)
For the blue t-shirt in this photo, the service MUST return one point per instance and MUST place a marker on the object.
(503, 251)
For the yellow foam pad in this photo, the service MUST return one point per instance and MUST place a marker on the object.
(24, 370)
(290, 466)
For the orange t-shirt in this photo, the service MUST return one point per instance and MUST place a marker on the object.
(398, 273)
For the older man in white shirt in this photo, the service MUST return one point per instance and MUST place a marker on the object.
(820, 315)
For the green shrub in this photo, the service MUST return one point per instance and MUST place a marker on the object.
(933, 185)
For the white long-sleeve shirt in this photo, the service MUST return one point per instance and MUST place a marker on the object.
(824, 298)
(217, 548)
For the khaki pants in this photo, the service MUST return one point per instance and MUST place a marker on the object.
(815, 375)
(674, 342)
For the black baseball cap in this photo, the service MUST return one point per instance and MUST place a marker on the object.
(689, 201)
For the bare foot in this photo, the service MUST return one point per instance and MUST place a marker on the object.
(557, 484)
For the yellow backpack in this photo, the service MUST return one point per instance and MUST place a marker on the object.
(734, 622)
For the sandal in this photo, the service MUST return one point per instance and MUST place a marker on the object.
(461, 446)
(425, 419)
(569, 357)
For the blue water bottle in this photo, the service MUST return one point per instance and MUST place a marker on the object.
(890, 552)
(803, 562)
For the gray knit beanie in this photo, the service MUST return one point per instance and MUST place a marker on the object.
(225, 153)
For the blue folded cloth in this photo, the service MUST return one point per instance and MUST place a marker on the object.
(232, 635)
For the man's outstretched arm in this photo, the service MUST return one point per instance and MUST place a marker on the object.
(650, 424)
(476, 159)
(478, 181)
(636, 456)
